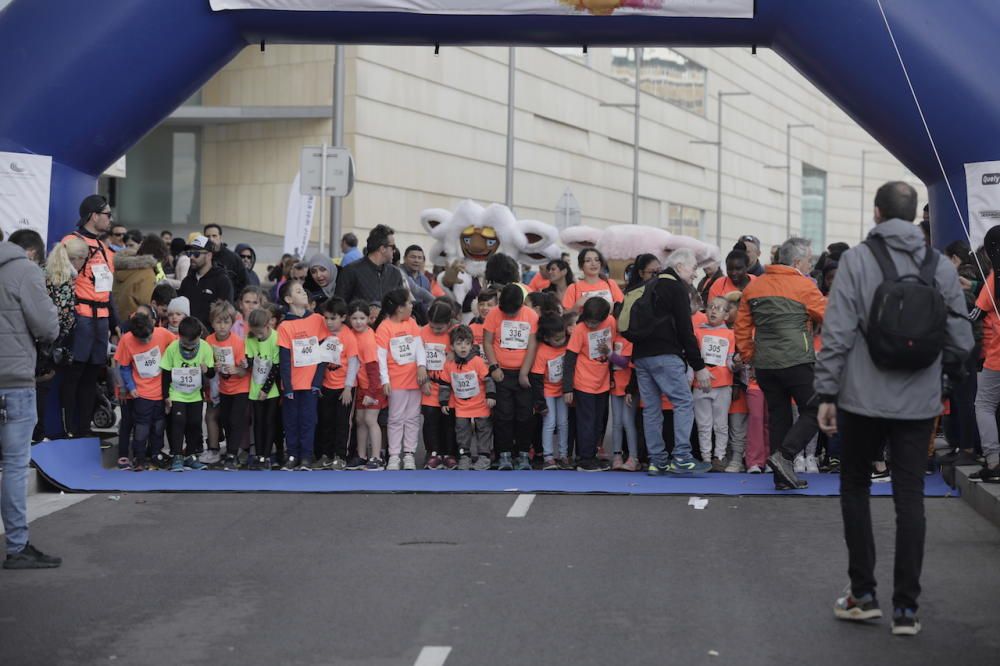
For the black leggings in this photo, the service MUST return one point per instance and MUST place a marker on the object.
(79, 389)
(334, 431)
(233, 415)
(185, 423)
(439, 431)
(266, 427)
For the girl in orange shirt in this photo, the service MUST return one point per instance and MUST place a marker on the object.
(587, 380)
(439, 428)
(402, 368)
(234, 380)
(370, 399)
(546, 383)
(623, 407)
(592, 284)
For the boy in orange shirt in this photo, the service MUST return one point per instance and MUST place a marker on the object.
(438, 428)
(485, 302)
(546, 383)
(229, 352)
(466, 381)
(711, 408)
(340, 351)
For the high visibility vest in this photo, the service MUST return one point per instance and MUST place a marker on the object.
(89, 301)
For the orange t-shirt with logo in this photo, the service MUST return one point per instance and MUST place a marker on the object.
(302, 337)
(436, 348)
(991, 334)
(511, 335)
(717, 347)
(338, 350)
(622, 376)
(607, 289)
(549, 364)
(592, 374)
(539, 282)
(145, 361)
(468, 387)
(399, 340)
(230, 352)
(366, 354)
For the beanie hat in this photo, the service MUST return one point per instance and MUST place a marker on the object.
(180, 304)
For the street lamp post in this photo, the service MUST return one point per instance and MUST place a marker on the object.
(788, 174)
(635, 140)
(509, 168)
(718, 165)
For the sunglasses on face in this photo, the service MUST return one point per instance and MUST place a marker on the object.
(246, 257)
(194, 254)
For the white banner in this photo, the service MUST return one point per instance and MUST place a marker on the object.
(298, 221)
(982, 184)
(698, 8)
(25, 181)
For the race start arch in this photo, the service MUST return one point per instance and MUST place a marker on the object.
(84, 81)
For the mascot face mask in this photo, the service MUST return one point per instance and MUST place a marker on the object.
(479, 243)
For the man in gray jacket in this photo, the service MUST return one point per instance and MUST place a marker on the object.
(873, 407)
(27, 314)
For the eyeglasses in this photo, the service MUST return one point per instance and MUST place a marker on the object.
(106, 212)
(248, 257)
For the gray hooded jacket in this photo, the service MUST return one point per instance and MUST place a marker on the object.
(845, 369)
(26, 314)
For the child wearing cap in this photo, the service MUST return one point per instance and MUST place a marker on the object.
(177, 310)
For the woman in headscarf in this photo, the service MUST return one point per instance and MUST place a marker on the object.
(321, 279)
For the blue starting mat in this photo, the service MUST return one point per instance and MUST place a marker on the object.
(75, 466)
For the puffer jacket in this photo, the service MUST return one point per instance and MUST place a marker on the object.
(27, 314)
(135, 279)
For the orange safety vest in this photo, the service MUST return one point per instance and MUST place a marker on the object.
(89, 301)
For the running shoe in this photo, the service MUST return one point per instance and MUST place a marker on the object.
(631, 465)
(882, 476)
(338, 464)
(409, 462)
(812, 465)
(450, 462)
(373, 465)
(210, 457)
(124, 465)
(464, 462)
(230, 464)
(618, 463)
(849, 607)
(550, 464)
(590, 465)
(656, 470)
(322, 463)
(688, 466)
(905, 622)
(783, 469)
(718, 465)
(307, 465)
(177, 464)
(395, 464)
(505, 464)
(523, 463)
(799, 464)
(355, 463)
(433, 462)
(734, 466)
(193, 463)
(291, 464)
(987, 474)
(755, 469)
(483, 463)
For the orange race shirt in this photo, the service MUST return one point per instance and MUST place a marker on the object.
(606, 289)
(549, 364)
(145, 361)
(93, 284)
(991, 334)
(723, 286)
(539, 282)
(436, 348)
(399, 341)
(739, 405)
(302, 337)
(592, 374)
(468, 387)
(622, 376)
(338, 350)
(699, 318)
(717, 348)
(230, 352)
(366, 354)
(511, 335)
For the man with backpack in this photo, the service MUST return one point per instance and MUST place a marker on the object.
(658, 323)
(895, 324)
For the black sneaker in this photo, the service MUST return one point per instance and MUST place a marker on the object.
(230, 464)
(986, 474)
(905, 622)
(31, 558)
(590, 465)
(784, 470)
(355, 463)
(801, 484)
(882, 476)
(849, 607)
(291, 464)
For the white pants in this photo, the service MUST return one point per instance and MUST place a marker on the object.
(711, 412)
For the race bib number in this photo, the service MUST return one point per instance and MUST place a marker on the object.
(305, 352)
(435, 355)
(147, 364)
(601, 293)
(514, 334)
(331, 350)
(104, 279)
(224, 357)
(619, 348)
(403, 350)
(714, 349)
(555, 370)
(596, 340)
(465, 384)
(261, 370)
(186, 380)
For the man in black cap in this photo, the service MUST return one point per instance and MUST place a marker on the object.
(205, 282)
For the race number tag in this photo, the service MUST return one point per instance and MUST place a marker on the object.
(186, 380)
(261, 370)
(403, 350)
(465, 384)
(147, 364)
(104, 279)
(714, 349)
(331, 350)
(435, 355)
(224, 357)
(555, 370)
(601, 293)
(596, 340)
(619, 348)
(514, 334)
(305, 352)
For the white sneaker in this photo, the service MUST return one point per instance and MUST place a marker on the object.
(408, 462)
(812, 465)
(734, 466)
(800, 464)
(755, 469)
(210, 457)
(393, 465)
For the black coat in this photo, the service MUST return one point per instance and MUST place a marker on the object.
(676, 335)
(202, 292)
(233, 266)
(363, 279)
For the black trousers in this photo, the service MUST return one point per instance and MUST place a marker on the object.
(267, 427)
(780, 387)
(334, 431)
(234, 416)
(147, 419)
(513, 405)
(185, 423)
(863, 437)
(438, 431)
(591, 422)
(78, 395)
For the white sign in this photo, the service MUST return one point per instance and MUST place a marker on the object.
(701, 8)
(298, 221)
(25, 181)
(982, 184)
(339, 171)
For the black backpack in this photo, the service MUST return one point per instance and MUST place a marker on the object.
(906, 325)
(638, 319)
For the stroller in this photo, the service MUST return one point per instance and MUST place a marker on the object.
(105, 406)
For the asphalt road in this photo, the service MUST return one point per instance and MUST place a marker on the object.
(246, 579)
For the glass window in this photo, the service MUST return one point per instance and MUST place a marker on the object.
(664, 73)
(814, 206)
(162, 185)
(685, 220)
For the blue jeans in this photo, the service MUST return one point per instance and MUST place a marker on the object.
(623, 425)
(658, 376)
(15, 440)
(557, 419)
(300, 416)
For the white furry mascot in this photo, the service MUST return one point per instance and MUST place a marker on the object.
(471, 234)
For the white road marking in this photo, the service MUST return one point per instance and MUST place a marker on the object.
(432, 655)
(521, 506)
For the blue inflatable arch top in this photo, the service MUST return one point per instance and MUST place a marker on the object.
(84, 81)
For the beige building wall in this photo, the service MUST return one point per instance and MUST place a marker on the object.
(428, 131)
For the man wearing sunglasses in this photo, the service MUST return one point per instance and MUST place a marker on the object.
(206, 282)
(116, 237)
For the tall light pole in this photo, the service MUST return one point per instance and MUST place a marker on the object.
(788, 174)
(509, 189)
(635, 140)
(336, 210)
(718, 166)
(861, 219)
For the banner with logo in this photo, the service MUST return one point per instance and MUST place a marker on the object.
(298, 221)
(982, 184)
(696, 8)
(25, 181)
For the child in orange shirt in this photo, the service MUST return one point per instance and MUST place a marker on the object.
(466, 382)
(403, 371)
(340, 351)
(438, 428)
(587, 380)
(711, 408)
(623, 407)
(546, 383)
(234, 380)
(485, 302)
(370, 400)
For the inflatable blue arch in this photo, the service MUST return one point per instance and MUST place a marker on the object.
(84, 81)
